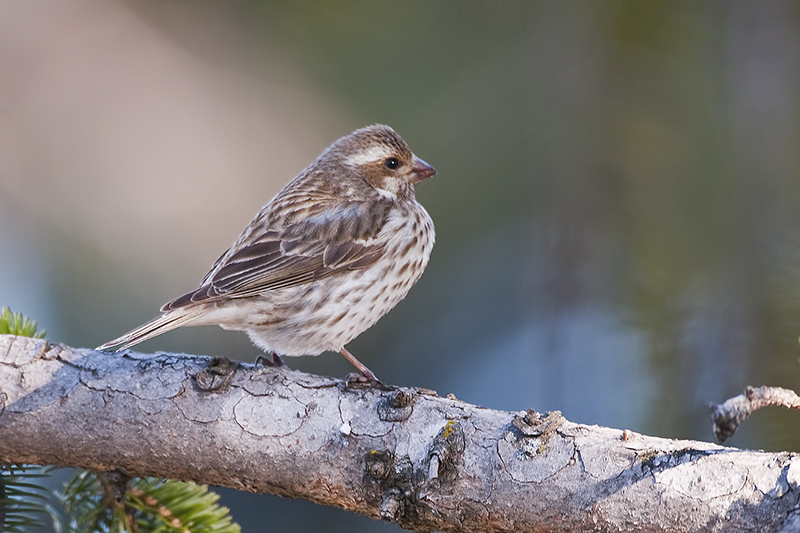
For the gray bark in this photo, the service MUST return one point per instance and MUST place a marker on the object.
(399, 454)
(729, 415)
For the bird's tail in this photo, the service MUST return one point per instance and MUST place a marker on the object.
(155, 327)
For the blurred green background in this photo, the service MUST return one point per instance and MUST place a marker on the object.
(617, 204)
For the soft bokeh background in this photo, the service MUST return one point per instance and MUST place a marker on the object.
(617, 205)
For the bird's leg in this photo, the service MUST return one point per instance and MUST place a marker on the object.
(366, 372)
(269, 359)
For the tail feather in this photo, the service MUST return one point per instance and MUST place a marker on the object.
(155, 327)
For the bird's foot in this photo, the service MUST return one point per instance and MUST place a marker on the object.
(365, 375)
(270, 359)
(355, 379)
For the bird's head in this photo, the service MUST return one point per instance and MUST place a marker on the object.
(382, 158)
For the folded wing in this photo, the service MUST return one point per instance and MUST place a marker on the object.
(332, 237)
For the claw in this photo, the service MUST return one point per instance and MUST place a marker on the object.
(270, 359)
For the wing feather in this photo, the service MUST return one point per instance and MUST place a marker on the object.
(332, 237)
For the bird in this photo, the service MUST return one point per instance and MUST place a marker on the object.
(336, 249)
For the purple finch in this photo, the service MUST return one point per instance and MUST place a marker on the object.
(333, 252)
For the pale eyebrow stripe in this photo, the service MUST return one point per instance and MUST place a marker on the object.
(370, 155)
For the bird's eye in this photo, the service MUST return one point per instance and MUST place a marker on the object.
(392, 163)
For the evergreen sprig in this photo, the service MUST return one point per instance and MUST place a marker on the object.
(170, 506)
(84, 508)
(149, 505)
(17, 324)
(21, 501)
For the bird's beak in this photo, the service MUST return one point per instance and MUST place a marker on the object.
(421, 170)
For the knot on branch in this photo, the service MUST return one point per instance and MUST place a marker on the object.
(533, 424)
(448, 446)
(396, 479)
(217, 376)
(402, 482)
(397, 406)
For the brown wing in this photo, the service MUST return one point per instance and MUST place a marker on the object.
(332, 237)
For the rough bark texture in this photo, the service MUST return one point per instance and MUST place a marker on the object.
(729, 415)
(400, 454)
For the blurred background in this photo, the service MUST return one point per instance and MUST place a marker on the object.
(617, 202)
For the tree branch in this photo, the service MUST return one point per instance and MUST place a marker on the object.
(401, 454)
(727, 416)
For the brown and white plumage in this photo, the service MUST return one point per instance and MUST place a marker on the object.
(334, 251)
